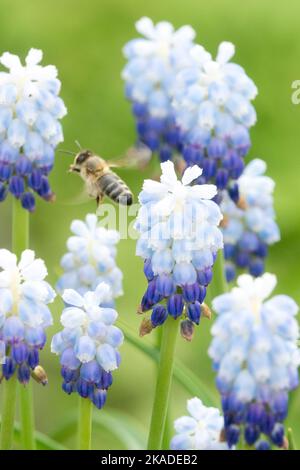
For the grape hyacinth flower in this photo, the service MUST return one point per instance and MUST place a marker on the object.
(256, 357)
(149, 74)
(88, 344)
(212, 105)
(24, 315)
(91, 258)
(30, 110)
(179, 240)
(249, 226)
(199, 431)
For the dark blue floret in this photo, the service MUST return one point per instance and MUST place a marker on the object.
(193, 292)
(33, 358)
(205, 276)
(232, 433)
(148, 270)
(106, 380)
(35, 179)
(99, 398)
(277, 435)
(17, 186)
(194, 312)
(20, 352)
(8, 368)
(234, 192)
(175, 305)
(68, 387)
(251, 434)
(5, 171)
(262, 445)
(23, 373)
(256, 267)
(28, 201)
(84, 388)
(221, 178)
(159, 315)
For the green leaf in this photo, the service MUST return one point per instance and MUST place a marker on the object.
(125, 428)
(183, 375)
(43, 442)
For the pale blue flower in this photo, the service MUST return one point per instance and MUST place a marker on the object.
(213, 110)
(149, 74)
(30, 111)
(201, 430)
(24, 314)
(249, 226)
(256, 357)
(179, 240)
(88, 344)
(91, 258)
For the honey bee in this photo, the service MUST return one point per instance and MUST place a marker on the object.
(100, 180)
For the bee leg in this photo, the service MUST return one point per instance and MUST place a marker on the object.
(99, 199)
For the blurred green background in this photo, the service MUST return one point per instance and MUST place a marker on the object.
(84, 39)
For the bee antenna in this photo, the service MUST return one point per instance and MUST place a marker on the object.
(78, 144)
(68, 152)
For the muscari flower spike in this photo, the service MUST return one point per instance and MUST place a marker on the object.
(256, 357)
(149, 74)
(91, 258)
(212, 106)
(249, 226)
(179, 240)
(30, 110)
(88, 344)
(201, 430)
(24, 314)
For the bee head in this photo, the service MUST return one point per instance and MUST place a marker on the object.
(79, 160)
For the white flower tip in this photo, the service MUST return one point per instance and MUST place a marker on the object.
(226, 51)
(10, 60)
(34, 57)
(71, 297)
(190, 174)
(144, 26)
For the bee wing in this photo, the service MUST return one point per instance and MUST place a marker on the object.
(137, 156)
(82, 197)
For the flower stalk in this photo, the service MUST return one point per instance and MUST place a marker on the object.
(8, 413)
(85, 424)
(20, 242)
(163, 385)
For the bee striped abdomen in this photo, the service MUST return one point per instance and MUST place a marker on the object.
(113, 187)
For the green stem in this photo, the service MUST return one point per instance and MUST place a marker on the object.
(20, 242)
(219, 285)
(163, 385)
(8, 413)
(291, 441)
(27, 417)
(85, 424)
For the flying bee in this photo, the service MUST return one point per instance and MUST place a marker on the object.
(101, 181)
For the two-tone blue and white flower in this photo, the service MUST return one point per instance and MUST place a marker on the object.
(30, 110)
(91, 258)
(201, 430)
(256, 357)
(24, 314)
(149, 74)
(212, 106)
(249, 226)
(179, 240)
(88, 344)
